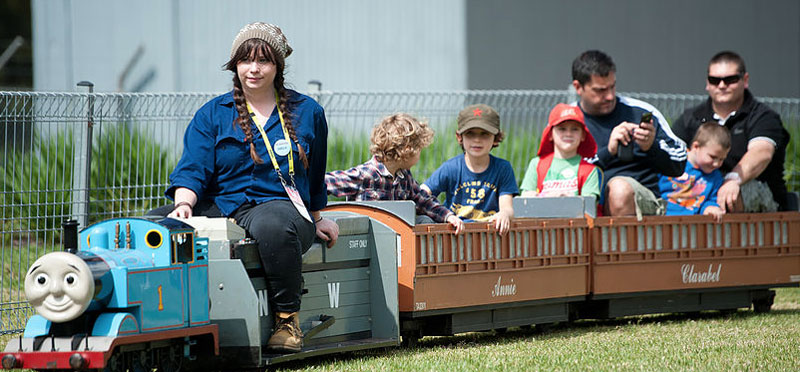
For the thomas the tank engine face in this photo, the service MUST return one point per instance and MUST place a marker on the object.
(59, 286)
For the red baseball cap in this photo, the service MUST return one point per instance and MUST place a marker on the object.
(561, 113)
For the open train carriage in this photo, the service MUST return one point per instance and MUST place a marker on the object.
(481, 280)
(690, 263)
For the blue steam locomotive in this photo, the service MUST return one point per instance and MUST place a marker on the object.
(172, 294)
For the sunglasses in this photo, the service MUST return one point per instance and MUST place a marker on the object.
(733, 79)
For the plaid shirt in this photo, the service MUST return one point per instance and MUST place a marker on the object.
(372, 181)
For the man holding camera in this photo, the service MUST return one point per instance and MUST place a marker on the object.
(634, 141)
(754, 166)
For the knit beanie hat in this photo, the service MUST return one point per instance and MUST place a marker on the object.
(270, 33)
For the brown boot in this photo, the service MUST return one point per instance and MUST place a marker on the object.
(287, 337)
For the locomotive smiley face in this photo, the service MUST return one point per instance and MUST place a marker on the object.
(59, 286)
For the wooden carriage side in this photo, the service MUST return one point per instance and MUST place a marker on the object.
(690, 263)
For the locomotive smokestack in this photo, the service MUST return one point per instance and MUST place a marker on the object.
(70, 236)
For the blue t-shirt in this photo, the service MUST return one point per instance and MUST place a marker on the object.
(473, 196)
(692, 192)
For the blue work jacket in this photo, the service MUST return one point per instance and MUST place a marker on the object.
(216, 161)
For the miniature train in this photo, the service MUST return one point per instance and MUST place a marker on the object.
(190, 294)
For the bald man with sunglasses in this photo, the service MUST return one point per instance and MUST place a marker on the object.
(754, 166)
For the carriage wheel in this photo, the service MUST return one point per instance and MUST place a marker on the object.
(410, 339)
(763, 305)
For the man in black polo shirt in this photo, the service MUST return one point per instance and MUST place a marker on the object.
(754, 166)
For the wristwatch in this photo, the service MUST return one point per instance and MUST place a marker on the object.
(733, 176)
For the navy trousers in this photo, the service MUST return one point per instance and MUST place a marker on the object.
(282, 235)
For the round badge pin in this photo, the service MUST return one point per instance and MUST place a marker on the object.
(282, 147)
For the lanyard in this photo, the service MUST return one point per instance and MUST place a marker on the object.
(291, 190)
(266, 139)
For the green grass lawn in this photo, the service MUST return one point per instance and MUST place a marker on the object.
(710, 341)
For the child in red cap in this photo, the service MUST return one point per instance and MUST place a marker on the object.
(560, 169)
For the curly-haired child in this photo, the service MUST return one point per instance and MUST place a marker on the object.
(396, 143)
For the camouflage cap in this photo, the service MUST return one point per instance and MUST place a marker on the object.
(478, 116)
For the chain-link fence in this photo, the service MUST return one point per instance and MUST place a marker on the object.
(96, 156)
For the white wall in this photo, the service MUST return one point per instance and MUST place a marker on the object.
(348, 45)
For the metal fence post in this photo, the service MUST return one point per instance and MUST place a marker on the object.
(572, 94)
(82, 165)
(314, 89)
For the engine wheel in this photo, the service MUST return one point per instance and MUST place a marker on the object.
(141, 361)
(170, 358)
(115, 363)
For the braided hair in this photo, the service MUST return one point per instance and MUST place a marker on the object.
(254, 49)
